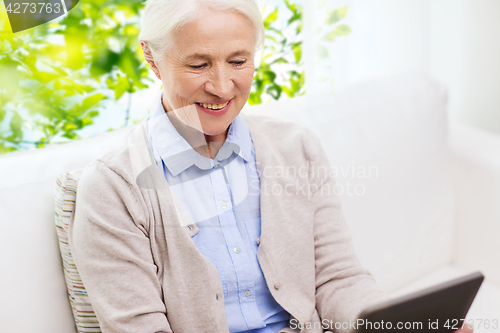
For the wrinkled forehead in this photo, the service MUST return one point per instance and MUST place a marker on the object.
(223, 33)
(225, 51)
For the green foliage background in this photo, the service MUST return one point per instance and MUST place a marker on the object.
(56, 78)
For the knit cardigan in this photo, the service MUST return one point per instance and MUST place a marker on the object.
(131, 240)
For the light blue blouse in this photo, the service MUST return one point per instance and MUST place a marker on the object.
(222, 196)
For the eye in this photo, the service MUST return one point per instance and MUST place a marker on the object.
(198, 66)
(238, 63)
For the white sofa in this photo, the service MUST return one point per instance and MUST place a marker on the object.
(421, 196)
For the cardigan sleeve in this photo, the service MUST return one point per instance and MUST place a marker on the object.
(343, 286)
(111, 248)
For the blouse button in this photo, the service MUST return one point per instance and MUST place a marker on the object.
(277, 286)
(258, 240)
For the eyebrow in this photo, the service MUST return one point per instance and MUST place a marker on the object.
(206, 56)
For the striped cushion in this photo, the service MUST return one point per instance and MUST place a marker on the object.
(65, 195)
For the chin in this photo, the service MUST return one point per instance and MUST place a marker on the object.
(216, 126)
(214, 130)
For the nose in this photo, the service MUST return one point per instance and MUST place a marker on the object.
(220, 82)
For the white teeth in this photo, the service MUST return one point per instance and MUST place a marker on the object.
(214, 106)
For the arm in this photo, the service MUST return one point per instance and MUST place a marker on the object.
(111, 248)
(343, 287)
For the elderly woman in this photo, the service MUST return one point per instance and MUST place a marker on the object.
(208, 220)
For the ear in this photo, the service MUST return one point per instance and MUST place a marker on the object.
(149, 58)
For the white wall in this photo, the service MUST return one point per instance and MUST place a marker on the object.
(465, 54)
(455, 41)
(388, 36)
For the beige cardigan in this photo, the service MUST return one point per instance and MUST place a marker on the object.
(131, 240)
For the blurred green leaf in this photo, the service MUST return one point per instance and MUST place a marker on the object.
(275, 91)
(254, 98)
(122, 86)
(93, 114)
(58, 70)
(336, 15)
(56, 79)
(280, 60)
(87, 121)
(297, 51)
(69, 127)
(282, 54)
(340, 30)
(91, 101)
(322, 52)
(103, 60)
(320, 4)
(295, 8)
(271, 18)
(50, 76)
(4, 149)
(16, 124)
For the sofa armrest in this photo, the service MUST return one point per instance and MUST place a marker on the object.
(476, 175)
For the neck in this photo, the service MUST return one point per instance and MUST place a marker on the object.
(205, 145)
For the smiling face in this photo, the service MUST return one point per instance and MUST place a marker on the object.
(207, 73)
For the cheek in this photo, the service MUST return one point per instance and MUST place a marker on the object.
(188, 85)
(184, 85)
(244, 79)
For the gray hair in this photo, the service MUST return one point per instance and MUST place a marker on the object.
(163, 17)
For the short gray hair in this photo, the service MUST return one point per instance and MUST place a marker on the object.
(163, 17)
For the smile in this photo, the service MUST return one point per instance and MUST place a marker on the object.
(214, 106)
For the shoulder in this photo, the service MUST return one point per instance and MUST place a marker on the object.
(269, 125)
(283, 136)
(112, 168)
(106, 192)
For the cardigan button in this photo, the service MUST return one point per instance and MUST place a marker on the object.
(277, 286)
